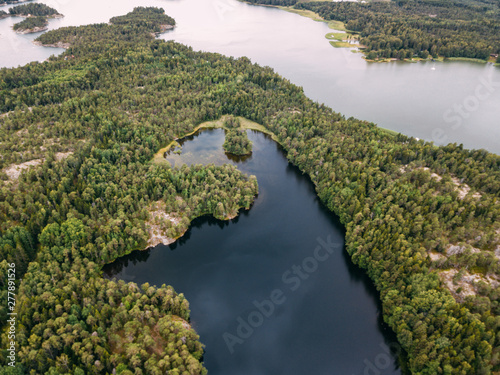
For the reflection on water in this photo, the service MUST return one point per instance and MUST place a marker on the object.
(330, 320)
(206, 151)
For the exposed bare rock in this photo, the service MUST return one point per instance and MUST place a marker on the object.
(459, 288)
(436, 256)
(466, 284)
(33, 30)
(158, 224)
(14, 171)
(185, 324)
(55, 45)
(63, 155)
(462, 188)
(457, 249)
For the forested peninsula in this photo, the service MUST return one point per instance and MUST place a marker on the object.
(79, 188)
(406, 29)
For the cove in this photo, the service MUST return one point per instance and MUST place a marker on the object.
(272, 291)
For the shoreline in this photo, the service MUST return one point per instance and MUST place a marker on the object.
(52, 45)
(340, 26)
(215, 124)
(158, 158)
(15, 2)
(439, 59)
(66, 45)
(32, 31)
(155, 239)
(54, 16)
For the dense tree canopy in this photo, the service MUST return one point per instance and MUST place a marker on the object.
(33, 9)
(236, 142)
(90, 122)
(3, 2)
(147, 18)
(31, 24)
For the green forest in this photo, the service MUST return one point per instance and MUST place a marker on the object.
(3, 2)
(33, 9)
(404, 29)
(36, 13)
(79, 189)
(236, 142)
(31, 23)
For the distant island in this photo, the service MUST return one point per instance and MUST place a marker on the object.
(31, 25)
(5, 2)
(34, 10)
(36, 17)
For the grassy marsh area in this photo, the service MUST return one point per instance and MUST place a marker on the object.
(216, 124)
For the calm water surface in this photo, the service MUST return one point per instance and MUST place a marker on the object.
(441, 102)
(328, 323)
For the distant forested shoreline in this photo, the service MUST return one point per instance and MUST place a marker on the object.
(404, 29)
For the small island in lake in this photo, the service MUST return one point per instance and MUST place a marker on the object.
(31, 25)
(34, 10)
(36, 20)
(5, 2)
(237, 142)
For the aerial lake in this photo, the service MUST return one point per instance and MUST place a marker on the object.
(323, 318)
(255, 310)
